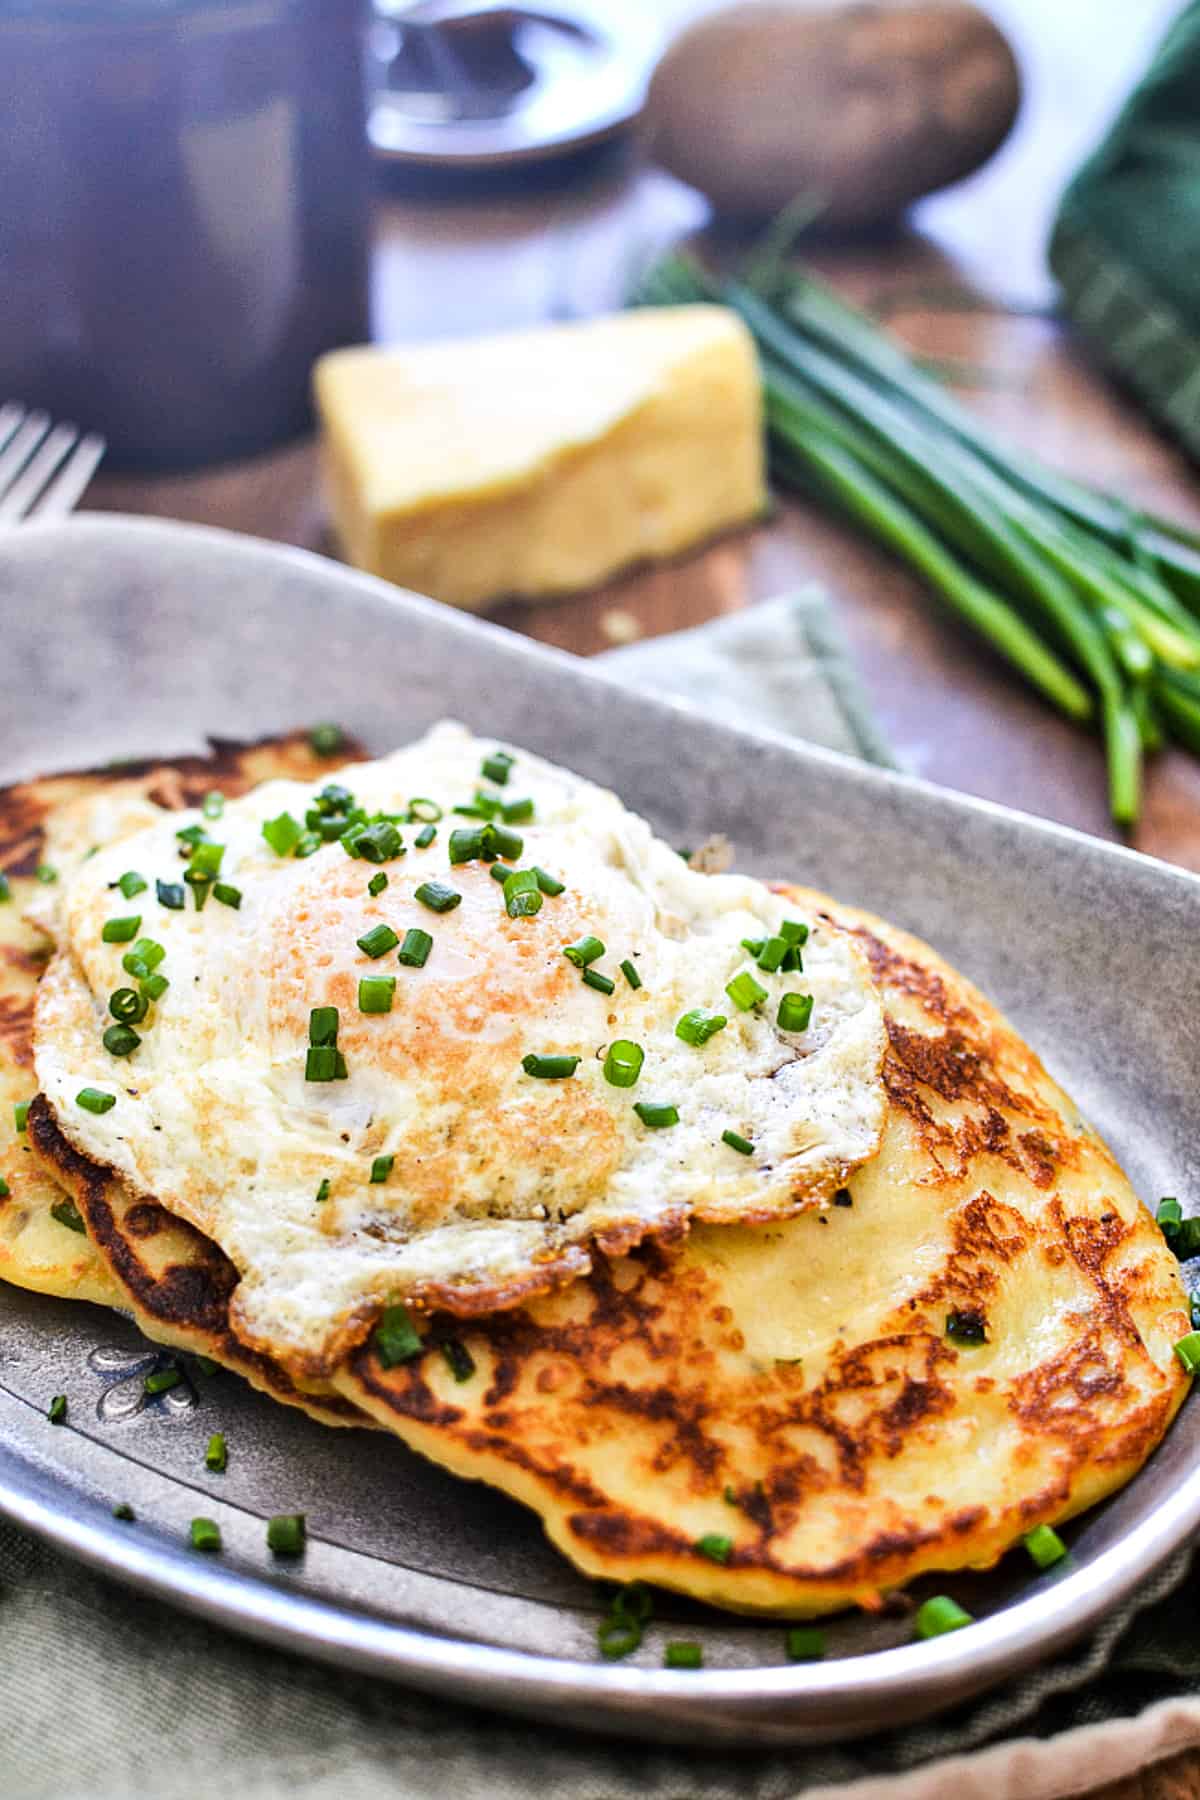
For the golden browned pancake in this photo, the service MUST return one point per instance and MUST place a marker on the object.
(795, 1417)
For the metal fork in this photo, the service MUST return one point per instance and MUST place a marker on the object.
(44, 468)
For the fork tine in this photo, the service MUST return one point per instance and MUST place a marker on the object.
(10, 417)
(22, 495)
(62, 493)
(17, 452)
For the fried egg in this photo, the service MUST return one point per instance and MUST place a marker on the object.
(511, 1106)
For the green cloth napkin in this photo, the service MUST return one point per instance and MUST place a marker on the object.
(105, 1694)
(1126, 245)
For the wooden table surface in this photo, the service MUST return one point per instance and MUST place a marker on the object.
(951, 711)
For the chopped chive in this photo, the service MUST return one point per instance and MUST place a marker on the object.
(697, 1026)
(754, 945)
(5, 1190)
(500, 872)
(736, 1142)
(120, 1040)
(121, 931)
(656, 1115)
(201, 886)
(550, 1068)
(939, 1615)
(517, 812)
(381, 1168)
(793, 962)
(123, 1510)
(326, 739)
(496, 766)
(586, 950)
(549, 884)
(307, 844)
(843, 1197)
(474, 811)
(153, 987)
(20, 1114)
(631, 975)
(216, 1457)
(377, 884)
(286, 1534)
(127, 1006)
(966, 1328)
(745, 992)
(623, 1063)
(618, 1636)
(772, 953)
(205, 1534)
(213, 804)
(466, 844)
(206, 1365)
(132, 883)
(805, 1643)
(497, 841)
(683, 1656)
(795, 1012)
(5, 887)
(1044, 1546)
(57, 1410)
(227, 895)
(794, 932)
(458, 1359)
(94, 1100)
(161, 1381)
(282, 833)
(377, 941)
(414, 951)
(425, 837)
(604, 984)
(323, 1025)
(395, 1338)
(718, 1549)
(324, 1062)
(379, 843)
(144, 957)
(171, 894)
(1188, 1352)
(206, 859)
(46, 874)
(376, 993)
(522, 895)
(427, 811)
(437, 896)
(191, 835)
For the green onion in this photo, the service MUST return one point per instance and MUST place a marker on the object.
(1044, 1546)
(522, 895)
(46, 874)
(517, 812)
(379, 843)
(205, 1534)
(381, 1168)
(745, 992)
(323, 1025)
(496, 766)
(586, 950)
(307, 844)
(324, 1062)
(623, 1063)
(550, 1068)
(286, 1534)
(5, 1190)
(716, 1548)
(656, 1114)
(414, 951)
(753, 945)
(499, 841)
(631, 975)
(377, 884)
(95, 1100)
(604, 984)
(458, 1358)
(549, 884)
(500, 872)
(967, 1328)
(323, 1190)
(171, 894)
(697, 1026)
(395, 1338)
(216, 1457)
(805, 1643)
(132, 883)
(20, 1114)
(121, 1040)
(681, 1655)
(57, 1410)
(772, 953)
(425, 810)
(153, 987)
(191, 835)
(376, 993)
(121, 931)
(466, 844)
(794, 932)
(143, 958)
(127, 1006)
(618, 1636)
(437, 896)
(5, 887)
(795, 1012)
(377, 941)
(736, 1142)
(213, 804)
(1169, 1215)
(326, 740)
(282, 833)
(939, 1615)
(227, 895)
(123, 1510)
(206, 1365)
(161, 1381)
(425, 837)
(1188, 1352)
(206, 859)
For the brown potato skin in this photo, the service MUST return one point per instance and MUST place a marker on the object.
(866, 107)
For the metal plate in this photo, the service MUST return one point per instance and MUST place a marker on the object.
(127, 638)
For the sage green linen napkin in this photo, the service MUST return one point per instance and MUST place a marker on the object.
(105, 1694)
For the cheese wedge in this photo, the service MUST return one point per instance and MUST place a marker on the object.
(540, 462)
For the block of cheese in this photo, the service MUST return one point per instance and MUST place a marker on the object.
(539, 462)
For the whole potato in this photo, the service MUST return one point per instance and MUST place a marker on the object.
(865, 106)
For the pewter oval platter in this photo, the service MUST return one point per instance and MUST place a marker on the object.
(126, 638)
